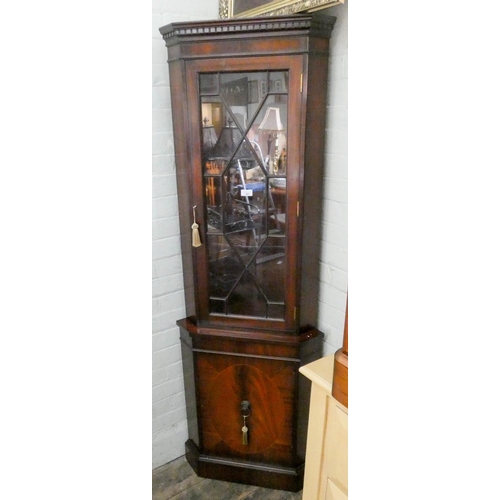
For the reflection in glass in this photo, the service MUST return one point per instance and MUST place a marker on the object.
(244, 132)
(213, 203)
(277, 206)
(225, 267)
(209, 139)
(247, 298)
(269, 269)
(271, 126)
(271, 133)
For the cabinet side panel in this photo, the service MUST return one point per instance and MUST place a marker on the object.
(179, 100)
(188, 369)
(313, 186)
(311, 350)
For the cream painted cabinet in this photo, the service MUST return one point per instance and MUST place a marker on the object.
(326, 455)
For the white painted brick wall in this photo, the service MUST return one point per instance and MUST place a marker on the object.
(169, 413)
(169, 408)
(333, 260)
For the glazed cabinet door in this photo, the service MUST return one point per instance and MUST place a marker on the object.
(246, 157)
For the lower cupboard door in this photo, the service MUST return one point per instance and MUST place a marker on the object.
(247, 407)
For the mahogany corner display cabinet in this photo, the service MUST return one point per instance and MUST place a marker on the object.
(248, 107)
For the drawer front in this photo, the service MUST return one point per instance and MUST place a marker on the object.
(269, 386)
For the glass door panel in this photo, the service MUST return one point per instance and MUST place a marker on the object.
(225, 267)
(243, 117)
(276, 214)
(270, 268)
(213, 198)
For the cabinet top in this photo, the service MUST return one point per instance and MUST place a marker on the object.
(314, 24)
(320, 372)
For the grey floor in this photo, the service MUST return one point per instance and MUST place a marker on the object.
(177, 481)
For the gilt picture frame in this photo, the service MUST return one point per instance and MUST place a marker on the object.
(256, 8)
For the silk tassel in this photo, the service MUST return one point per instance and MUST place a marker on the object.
(196, 241)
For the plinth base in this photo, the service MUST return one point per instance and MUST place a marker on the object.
(244, 472)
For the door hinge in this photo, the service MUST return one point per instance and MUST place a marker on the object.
(298, 209)
(301, 81)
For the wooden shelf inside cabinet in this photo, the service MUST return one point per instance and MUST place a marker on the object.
(249, 115)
